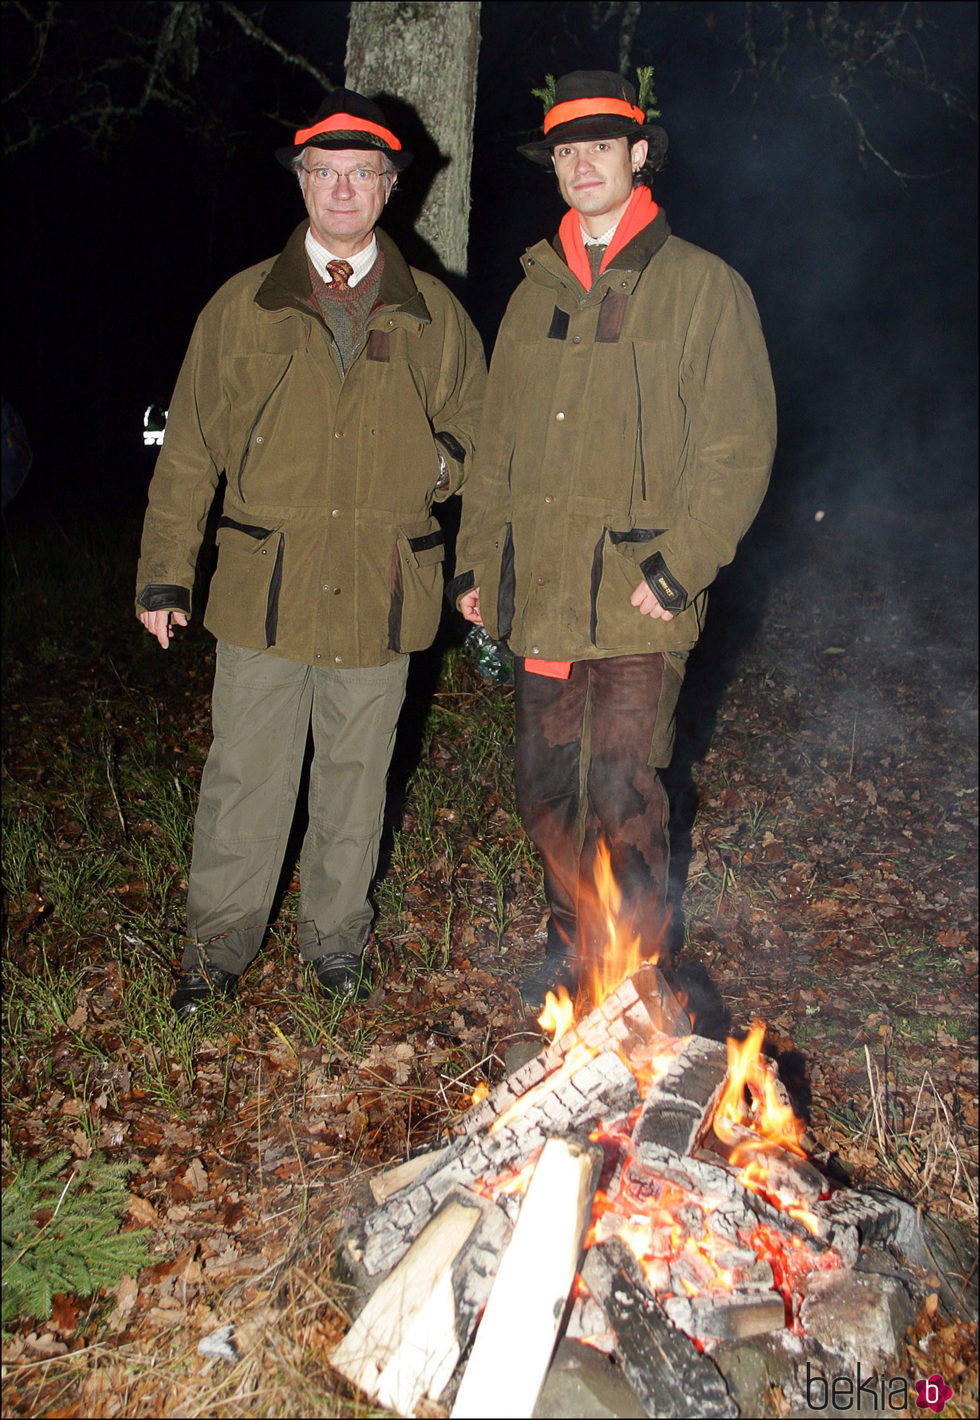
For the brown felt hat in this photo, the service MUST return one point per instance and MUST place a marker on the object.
(346, 120)
(595, 103)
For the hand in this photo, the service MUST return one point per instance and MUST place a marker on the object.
(469, 606)
(647, 604)
(160, 624)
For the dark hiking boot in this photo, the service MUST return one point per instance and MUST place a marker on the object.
(200, 988)
(551, 972)
(342, 974)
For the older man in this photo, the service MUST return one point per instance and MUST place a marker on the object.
(337, 390)
(627, 446)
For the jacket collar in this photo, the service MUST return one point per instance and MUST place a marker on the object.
(287, 285)
(546, 261)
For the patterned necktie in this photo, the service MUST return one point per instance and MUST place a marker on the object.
(341, 271)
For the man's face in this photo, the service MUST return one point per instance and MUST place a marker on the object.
(596, 178)
(343, 209)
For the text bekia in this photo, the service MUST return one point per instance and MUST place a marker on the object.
(873, 1393)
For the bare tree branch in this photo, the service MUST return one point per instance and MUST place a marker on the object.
(65, 72)
(862, 57)
(42, 28)
(288, 56)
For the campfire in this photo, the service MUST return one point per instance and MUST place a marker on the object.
(634, 1187)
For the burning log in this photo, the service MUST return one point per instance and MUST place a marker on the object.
(680, 1101)
(788, 1179)
(407, 1341)
(517, 1335)
(666, 1370)
(706, 1233)
(641, 1011)
(602, 1088)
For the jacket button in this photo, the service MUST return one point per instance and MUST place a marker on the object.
(576, 340)
(338, 660)
(335, 513)
(548, 498)
(336, 591)
(259, 439)
(560, 416)
(326, 586)
(265, 552)
(338, 434)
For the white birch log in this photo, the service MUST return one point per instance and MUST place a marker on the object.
(405, 1337)
(516, 1337)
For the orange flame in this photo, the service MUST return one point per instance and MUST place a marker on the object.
(767, 1115)
(616, 959)
(557, 1015)
(750, 1118)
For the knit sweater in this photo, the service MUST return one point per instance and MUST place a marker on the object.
(346, 310)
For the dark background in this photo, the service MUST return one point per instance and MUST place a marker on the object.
(865, 281)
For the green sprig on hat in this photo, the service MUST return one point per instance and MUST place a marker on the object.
(547, 93)
(646, 98)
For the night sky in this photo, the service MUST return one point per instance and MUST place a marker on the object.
(866, 284)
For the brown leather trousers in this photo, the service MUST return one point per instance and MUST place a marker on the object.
(587, 754)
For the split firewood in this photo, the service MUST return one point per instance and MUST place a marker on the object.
(681, 1101)
(397, 1177)
(407, 1341)
(513, 1346)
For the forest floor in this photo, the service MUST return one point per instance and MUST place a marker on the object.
(825, 847)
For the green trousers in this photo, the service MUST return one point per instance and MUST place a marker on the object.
(263, 711)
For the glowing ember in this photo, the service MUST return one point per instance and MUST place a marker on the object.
(510, 1184)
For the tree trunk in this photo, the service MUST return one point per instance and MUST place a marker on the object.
(426, 55)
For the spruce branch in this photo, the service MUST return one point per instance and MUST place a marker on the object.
(646, 98)
(546, 93)
(78, 1248)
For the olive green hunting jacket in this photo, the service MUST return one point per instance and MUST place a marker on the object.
(628, 433)
(328, 551)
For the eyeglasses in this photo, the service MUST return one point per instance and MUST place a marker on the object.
(362, 178)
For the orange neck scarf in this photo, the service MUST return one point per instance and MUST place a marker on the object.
(640, 212)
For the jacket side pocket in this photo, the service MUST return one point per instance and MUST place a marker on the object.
(246, 588)
(415, 586)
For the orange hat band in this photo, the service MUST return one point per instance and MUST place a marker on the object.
(589, 108)
(347, 123)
